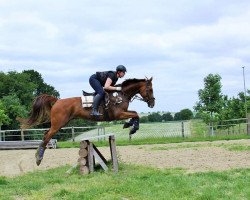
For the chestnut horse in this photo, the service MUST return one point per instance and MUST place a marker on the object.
(59, 112)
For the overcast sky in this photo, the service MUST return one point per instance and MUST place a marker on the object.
(177, 42)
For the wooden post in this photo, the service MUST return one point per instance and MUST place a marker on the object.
(248, 123)
(73, 134)
(90, 157)
(113, 153)
(83, 159)
(22, 135)
(182, 129)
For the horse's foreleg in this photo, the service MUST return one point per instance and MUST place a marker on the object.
(127, 115)
(133, 122)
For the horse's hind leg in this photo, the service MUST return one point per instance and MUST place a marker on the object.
(55, 127)
(42, 146)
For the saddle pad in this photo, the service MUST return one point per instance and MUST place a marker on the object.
(87, 101)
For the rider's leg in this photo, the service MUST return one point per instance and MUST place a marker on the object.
(96, 85)
(97, 100)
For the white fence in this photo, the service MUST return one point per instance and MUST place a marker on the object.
(230, 127)
(37, 134)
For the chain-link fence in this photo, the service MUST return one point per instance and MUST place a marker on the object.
(150, 130)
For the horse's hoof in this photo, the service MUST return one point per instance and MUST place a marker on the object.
(38, 158)
(38, 162)
(126, 125)
(133, 130)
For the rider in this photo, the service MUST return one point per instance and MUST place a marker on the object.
(106, 80)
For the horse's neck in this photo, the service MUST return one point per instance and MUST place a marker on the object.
(132, 90)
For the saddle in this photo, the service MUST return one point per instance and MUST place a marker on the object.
(84, 93)
(110, 97)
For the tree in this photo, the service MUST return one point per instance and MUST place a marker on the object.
(26, 85)
(41, 87)
(154, 117)
(186, 114)
(18, 84)
(210, 98)
(177, 116)
(20, 89)
(144, 119)
(167, 117)
(4, 119)
(13, 109)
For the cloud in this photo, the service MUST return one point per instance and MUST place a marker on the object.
(176, 42)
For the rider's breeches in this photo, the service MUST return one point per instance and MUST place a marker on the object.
(96, 85)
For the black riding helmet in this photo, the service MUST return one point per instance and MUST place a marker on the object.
(121, 68)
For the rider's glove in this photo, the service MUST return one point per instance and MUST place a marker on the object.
(118, 88)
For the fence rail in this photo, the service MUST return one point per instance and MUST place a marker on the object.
(37, 134)
(229, 127)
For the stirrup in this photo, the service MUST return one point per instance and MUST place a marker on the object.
(95, 113)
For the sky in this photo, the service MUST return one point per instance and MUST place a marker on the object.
(178, 43)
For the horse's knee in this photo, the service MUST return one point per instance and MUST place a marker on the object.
(131, 122)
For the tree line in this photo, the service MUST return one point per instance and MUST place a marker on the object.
(17, 92)
(184, 114)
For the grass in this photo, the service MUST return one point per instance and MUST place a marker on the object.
(132, 182)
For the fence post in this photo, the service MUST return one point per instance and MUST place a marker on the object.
(73, 133)
(182, 129)
(22, 135)
(0, 133)
(248, 123)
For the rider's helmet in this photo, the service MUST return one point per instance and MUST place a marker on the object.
(121, 68)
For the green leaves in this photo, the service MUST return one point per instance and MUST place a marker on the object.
(210, 98)
(213, 106)
(17, 91)
(4, 119)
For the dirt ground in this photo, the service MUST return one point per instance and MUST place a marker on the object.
(193, 157)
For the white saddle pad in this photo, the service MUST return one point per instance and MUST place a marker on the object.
(87, 101)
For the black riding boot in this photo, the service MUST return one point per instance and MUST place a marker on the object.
(96, 103)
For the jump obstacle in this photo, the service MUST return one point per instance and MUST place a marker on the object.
(89, 153)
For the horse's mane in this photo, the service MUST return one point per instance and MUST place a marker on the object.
(131, 81)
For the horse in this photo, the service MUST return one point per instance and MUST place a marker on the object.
(59, 112)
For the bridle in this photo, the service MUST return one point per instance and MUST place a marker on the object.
(147, 99)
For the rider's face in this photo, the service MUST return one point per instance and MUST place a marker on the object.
(121, 74)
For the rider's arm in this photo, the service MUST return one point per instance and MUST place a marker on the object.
(108, 86)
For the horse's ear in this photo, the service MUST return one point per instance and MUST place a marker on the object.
(151, 79)
(146, 78)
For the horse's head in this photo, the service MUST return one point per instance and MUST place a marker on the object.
(131, 87)
(146, 91)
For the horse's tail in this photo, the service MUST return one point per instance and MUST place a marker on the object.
(40, 112)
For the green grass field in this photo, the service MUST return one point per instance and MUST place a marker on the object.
(132, 182)
(135, 182)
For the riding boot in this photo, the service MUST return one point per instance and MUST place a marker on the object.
(96, 103)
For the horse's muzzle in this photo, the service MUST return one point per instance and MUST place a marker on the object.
(151, 103)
